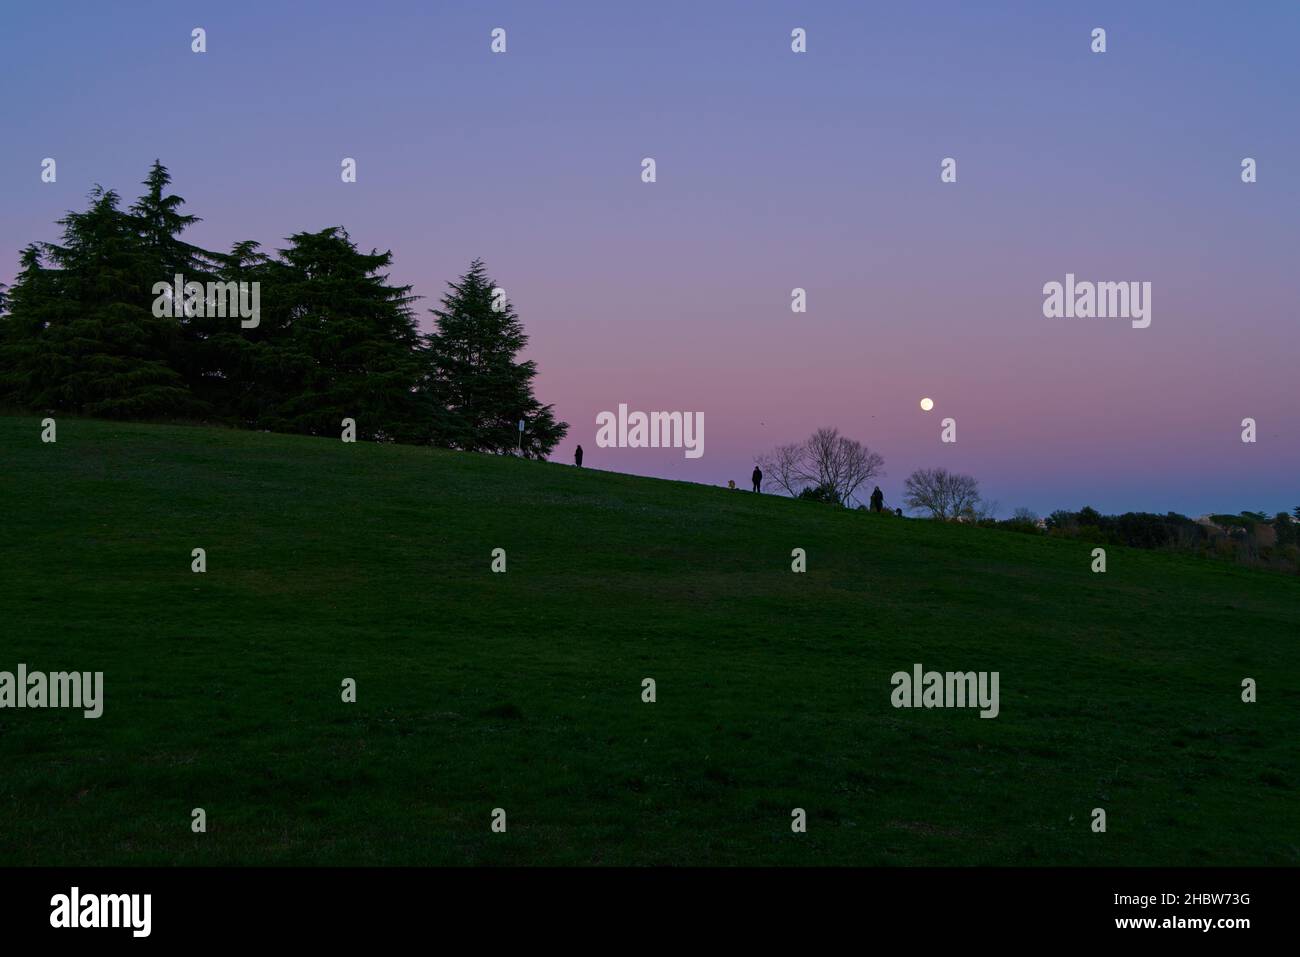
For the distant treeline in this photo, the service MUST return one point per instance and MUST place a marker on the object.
(88, 327)
(1248, 537)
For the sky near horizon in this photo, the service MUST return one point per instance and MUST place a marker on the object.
(775, 170)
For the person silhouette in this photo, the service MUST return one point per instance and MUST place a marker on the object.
(757, 479)
(577, 457)
(877, 500)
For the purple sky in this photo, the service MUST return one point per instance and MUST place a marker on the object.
(775, 170)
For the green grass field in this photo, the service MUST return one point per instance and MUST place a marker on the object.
(523, 690)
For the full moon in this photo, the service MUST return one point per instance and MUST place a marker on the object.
(927, 404)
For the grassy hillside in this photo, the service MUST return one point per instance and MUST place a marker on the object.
(523, 690)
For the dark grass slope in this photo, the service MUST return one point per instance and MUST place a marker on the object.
(522, 691)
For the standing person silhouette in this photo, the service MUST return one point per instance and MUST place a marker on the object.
(877, 500)
(757, 479)
(577, 457)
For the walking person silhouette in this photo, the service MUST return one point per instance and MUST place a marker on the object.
(757, 479)
(577, 457)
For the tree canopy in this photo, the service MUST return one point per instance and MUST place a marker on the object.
(96, 324)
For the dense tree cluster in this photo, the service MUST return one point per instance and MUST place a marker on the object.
(81, 330)
(1248, 537)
